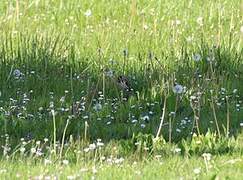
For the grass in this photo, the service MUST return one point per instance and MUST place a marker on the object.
(219, 167)
(203, 157)
(80, 67)
(59, 68)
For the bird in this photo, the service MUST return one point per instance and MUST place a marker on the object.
(123, 82)
(125, 86)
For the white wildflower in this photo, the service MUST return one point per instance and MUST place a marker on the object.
(177, 150)
(241, 29)
(207, 156)
(193, 98)
(33, 150)
(145, 27)
(47, 161)
(197, 170)
(71, 177)
(200, 21)
(99, 144)
(22, 149)
(235, 91)
(86, 150)
(88, 13)
(134, 121)
(177, 22)
(92, 146)
(85, 117)
(65, 162)
(118, 161)
(158, 156)
(145, 118)
(94, 170)
(62, 100)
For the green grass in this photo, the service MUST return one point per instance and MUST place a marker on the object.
(59, 66)
(203, 157)
(57, 49)
(219, 167)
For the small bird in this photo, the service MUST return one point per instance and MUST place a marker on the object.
(123, 83)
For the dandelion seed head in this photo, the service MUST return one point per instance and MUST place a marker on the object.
(97, 107)
(17, 73)
(143, 125)
(178, 89)
(196, 57)
(109, 73)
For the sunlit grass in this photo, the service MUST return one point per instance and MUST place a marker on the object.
(75, 74)
(217, 167)
(75, 52)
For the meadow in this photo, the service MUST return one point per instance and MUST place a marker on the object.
(106, 89)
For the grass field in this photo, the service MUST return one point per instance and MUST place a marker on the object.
(194, 168)
(85, 83)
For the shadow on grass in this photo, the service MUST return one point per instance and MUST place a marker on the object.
(39, 75)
